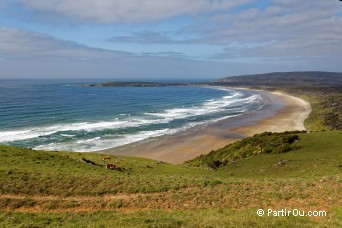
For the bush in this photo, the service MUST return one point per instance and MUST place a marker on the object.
(269, 149)
(214, 164)
(290, 139)
(264, 143)
(283, 148)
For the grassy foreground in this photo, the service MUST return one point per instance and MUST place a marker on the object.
(41, 189)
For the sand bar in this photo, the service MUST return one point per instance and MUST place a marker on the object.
(281, 112)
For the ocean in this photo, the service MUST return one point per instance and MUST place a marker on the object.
(63, 115)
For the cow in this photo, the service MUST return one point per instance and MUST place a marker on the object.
(111, 166)
(105, 158)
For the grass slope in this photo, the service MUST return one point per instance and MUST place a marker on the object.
(39, 188)
(197, 218)
(264, 143)
(315, 155)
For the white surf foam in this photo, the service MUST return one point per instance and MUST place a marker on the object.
(208, 107)
(107, 142)
(99, 143)
(24, 134)
(66, 135)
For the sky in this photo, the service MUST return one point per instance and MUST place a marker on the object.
(179, 39)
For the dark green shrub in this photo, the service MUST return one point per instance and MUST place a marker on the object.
(264, 143)
(214, 164)
(283, 148)
(290, 139)
(269, 149)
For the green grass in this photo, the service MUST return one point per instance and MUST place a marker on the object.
(24, 171)
(197, 218)
(319, 154)
(165, 195)
(264, 143)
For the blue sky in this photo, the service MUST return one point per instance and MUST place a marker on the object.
(167, 39)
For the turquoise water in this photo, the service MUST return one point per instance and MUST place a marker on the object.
(62, 115)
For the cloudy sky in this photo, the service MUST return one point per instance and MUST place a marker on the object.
(167, 39)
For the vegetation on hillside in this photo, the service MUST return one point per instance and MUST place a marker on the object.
(302, 78)
(264, 143)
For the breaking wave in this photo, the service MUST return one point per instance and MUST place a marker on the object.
(126, 128)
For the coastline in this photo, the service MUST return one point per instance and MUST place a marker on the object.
(290, 118)
(282, 112)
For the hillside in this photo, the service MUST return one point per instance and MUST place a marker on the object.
(307, 78)
(263, 143)
(34, 185)
(305, 157)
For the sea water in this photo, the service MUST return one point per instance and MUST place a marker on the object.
(63, 115)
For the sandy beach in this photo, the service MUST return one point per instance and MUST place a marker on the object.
(281, 112)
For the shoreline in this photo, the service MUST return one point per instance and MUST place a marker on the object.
(282, 112)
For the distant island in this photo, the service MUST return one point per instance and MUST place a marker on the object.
(136, 84)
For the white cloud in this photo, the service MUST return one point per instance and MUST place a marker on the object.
(129, 11)
(28, 54)
(284, 30)
(20, 44)
(151, 37)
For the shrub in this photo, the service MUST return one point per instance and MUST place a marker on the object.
(290, 139)
(264, 143)
(283, 148)
(214, 164)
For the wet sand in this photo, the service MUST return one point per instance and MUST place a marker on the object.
(281, 112)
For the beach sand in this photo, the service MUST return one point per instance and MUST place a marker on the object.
(282, 112)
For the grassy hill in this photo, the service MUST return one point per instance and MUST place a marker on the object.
(307, 78)
(312, 155)
(43, 188)
(264, 143)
